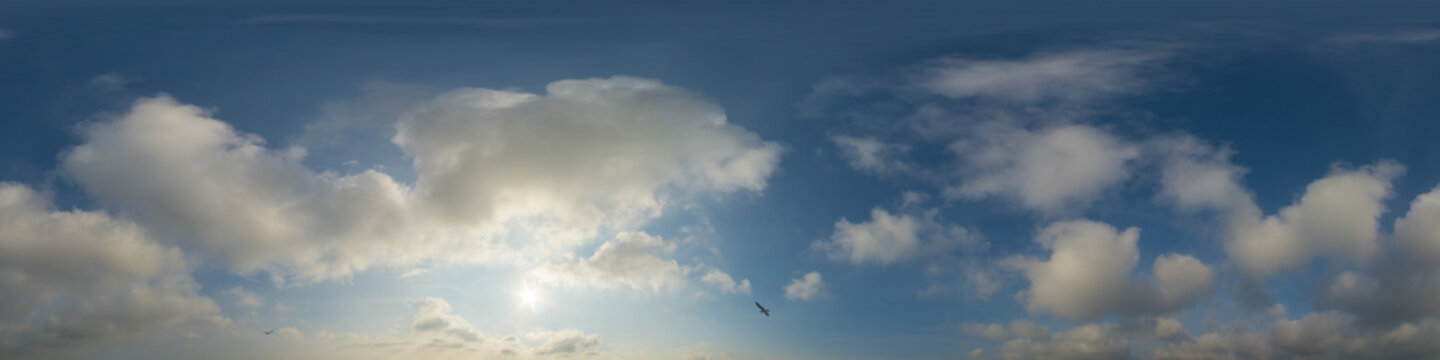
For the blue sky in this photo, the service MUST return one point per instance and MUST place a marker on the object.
(1188, 180)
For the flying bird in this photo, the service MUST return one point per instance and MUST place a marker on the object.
(267, 332)
(763, 310)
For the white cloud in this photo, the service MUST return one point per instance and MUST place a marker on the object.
(1418, 232)
(884, 239)
(726, 284)
(632, 260)
(1325, 335)
(197, 181)
(74, 277)
(499, 173)
(1336, 217)
(1050, 170)
(244, 298)
(1085, 342)
(564, 342)
(1074, 76)
(806, 288)
(1406, 285)
(872, 155)
(589, 153)
(1087, 274)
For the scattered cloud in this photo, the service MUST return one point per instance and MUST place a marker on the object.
(892, 238)
(806, 288)
(1324, 335)
(1087, 274)
(726, 284)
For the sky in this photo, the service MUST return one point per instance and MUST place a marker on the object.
(627, 180)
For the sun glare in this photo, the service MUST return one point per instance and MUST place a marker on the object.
(529, 297)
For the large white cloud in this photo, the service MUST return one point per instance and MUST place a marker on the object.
(1087, 274)
(588, 153)
(72, 277)
(498, 172)
(199, 182)
(1336, 217)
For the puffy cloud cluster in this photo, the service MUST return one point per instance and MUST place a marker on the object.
(890, 238)
(1324, 335)
(197, 181)
(1336, 217)
(589, 153)
(1024, 339)
(497, 171)
(806, 288)
(1087, 274)
(73, 277)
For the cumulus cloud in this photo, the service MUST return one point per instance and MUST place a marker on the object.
(1326, 335)
(1024, 339)
(1337, 216)
(1404, 287)
(588, 153)
(1087, 274)
(499, 172)
(1049, 170)
(632, 260)
(198, 181)
(73, 277)
(726, 284)
(806, 288)
(890, 238)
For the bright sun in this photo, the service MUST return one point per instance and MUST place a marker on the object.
(529, 297)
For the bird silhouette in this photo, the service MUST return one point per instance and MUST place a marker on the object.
(267, 332)
(763, 310)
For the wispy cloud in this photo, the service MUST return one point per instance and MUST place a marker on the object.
(381, 20)
(1413, 36)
